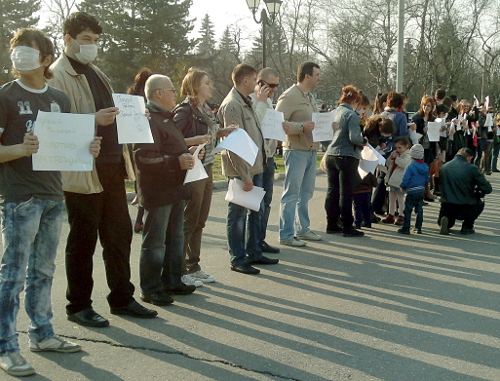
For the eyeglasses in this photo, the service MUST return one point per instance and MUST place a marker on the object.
(270, 85)
(173, 89)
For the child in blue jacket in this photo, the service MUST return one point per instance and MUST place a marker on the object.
(413, 184)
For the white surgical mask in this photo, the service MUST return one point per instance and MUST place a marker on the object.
(87, 53)
(25, 58)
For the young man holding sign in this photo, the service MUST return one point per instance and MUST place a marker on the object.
(31, 203)
(96, 201)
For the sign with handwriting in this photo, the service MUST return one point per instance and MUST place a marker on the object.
(132, 123)
(64, 142)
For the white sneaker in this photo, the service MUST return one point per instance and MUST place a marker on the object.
(55, 344)
(310, 236)
(294, 242)
(188, 280)
(203, 276)
(15, 365)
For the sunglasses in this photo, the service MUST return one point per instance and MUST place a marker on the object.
(270, 85)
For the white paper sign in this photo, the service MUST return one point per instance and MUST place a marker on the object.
(240, 143)
(323, 126)
(486, 103)
(238, 196)
(198, 172)
(489, 120)
(370, 160)
(272, 125)
(433, 131)
(131, 122)
(64, 142)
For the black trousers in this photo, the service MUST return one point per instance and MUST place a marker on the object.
(467, 213)
(104, 215)
(338, 203)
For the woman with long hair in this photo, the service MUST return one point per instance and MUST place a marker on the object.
(195, 118)
(342, 163)
(425, 114)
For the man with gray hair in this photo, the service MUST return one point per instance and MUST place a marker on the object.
(161, 168)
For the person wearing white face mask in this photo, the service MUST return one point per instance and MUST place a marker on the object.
(96, 201)
(31, 203)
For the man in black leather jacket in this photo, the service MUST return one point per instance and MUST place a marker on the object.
(462, 187)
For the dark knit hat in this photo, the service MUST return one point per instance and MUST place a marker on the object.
(417, 152)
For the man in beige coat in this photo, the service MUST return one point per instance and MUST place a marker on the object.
(96, 201)
(236, 109)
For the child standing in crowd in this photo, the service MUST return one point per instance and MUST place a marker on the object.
(361, 197)
(396, 164)
(414, 179)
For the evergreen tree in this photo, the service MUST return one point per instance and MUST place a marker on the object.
(206, 47)
(14, 14)
(139, 33)
(226, 43)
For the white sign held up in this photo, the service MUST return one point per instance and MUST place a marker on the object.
(131, 122)
(323, 126)
(272, 125)
(64, 142)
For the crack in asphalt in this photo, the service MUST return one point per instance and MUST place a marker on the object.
(179, 353)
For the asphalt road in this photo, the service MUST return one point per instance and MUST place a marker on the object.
(381, 307)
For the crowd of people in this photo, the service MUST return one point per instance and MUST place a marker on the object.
(172, 214)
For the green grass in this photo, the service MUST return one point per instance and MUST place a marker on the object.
(217, 169)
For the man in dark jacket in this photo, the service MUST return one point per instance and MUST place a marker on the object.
(463, 186)
(161, 168)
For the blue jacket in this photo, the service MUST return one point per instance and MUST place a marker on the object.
(347, 139)
(415, 177)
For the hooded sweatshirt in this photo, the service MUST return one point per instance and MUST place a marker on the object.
(415, 177)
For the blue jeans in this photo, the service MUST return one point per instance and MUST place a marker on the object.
(30, 233)
(160, 265)
(243, 223)
(414, 201)
(268, 185)
(298, 189)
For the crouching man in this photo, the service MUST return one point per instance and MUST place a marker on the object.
(462, 187)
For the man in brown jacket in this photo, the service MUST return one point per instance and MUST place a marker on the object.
(96, 201)
(236, 109)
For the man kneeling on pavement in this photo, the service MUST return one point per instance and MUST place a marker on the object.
(462, 188)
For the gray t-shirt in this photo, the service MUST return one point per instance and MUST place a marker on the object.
(19, 106)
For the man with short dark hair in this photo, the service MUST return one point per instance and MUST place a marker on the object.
(439, 95)
(96, 201)
(462, 187)
(300, 156)
(236, 109)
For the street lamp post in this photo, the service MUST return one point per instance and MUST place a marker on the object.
(267, 18)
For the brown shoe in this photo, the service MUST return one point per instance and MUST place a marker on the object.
(400, 220)
(389, 219)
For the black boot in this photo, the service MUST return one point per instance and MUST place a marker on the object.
(437, 187)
